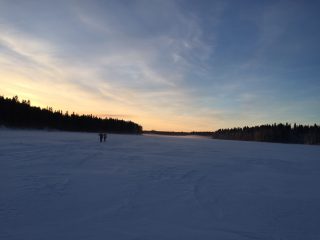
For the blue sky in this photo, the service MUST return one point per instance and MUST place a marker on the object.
(168, 65)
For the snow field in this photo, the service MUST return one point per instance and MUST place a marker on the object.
(58, 185)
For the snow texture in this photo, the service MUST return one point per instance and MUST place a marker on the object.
(58, 185)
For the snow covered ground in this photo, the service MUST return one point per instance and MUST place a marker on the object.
(57, 185)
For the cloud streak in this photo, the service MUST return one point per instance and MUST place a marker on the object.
(169, 65)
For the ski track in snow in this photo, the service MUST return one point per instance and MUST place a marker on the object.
(59, 185)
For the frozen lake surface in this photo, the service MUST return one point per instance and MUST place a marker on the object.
(58, 185)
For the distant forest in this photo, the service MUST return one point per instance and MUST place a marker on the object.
(171, 133)
(282, 133)
(20, 114)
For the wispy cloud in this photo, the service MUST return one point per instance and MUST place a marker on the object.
(127, 71)
(202, 66)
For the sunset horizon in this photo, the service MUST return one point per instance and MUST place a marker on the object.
(159, 119)
(166, 65)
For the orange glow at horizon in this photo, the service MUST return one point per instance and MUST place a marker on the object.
(43, 92)
(43, 95)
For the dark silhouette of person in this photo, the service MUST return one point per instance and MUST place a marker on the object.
(101, 136)
(104, 137)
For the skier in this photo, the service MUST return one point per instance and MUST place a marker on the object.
(101, 136)
(104, 137)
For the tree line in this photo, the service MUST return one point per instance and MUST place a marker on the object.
(172, 133)
(282, 133)
(20, 114)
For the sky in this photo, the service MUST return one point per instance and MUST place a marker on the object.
(165, 64)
